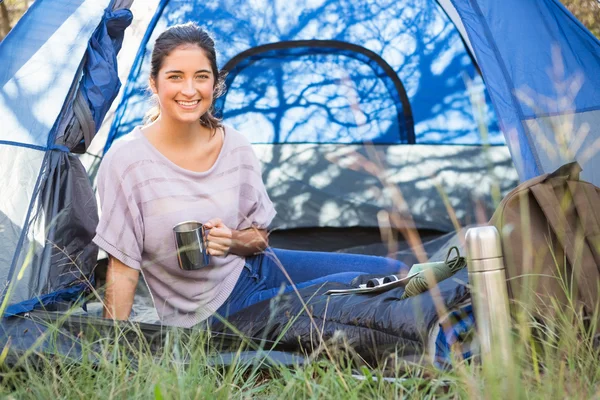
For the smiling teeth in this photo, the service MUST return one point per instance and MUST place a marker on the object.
(188, 103)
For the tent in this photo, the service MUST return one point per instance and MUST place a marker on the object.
(353, 107)
(383, 86)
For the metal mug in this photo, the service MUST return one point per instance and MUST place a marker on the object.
(190, 241)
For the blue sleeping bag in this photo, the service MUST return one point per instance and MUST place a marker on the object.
(374, 325)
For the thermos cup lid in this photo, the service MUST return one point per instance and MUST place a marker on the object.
(483, 242)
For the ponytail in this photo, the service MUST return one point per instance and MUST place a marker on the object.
(152, 115)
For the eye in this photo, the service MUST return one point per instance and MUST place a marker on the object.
(173, 77)
(202, 76)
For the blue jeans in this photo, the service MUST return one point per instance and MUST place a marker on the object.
(262, 277)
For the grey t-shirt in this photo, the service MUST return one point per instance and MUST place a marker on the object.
(143, 195)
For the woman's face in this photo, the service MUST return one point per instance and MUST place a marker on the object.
(184, 84)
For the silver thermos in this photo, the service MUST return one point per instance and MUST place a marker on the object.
(489, 294)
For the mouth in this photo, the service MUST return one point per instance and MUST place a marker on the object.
(189, 105)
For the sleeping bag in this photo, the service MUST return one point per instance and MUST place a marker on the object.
(373, 325)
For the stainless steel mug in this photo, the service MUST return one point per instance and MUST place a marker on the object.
(190, 241)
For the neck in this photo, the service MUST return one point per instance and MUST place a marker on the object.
(181, 133)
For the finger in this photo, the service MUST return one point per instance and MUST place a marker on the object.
(213, 222)
(215, 249)
(216, 253)
(219, 243)
(218, 247)
(219, 233)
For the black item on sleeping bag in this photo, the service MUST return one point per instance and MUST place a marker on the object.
(374, 325)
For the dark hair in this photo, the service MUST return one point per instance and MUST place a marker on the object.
(180, 35)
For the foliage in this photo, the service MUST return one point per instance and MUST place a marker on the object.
(10, 12)
(587, 11)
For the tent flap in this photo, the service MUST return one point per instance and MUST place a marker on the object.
(56, 251)
(99, 84)
(100, 81)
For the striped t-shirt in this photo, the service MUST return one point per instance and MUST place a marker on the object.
(143, 195)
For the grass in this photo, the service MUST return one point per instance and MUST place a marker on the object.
(556, 358)
(556, 362)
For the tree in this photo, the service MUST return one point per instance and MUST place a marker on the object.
(587, 11)
(4, 20)
(10, 12)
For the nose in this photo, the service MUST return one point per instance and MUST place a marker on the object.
(188, 88)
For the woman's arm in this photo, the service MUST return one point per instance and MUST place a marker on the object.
(121, 282)
(222, 240)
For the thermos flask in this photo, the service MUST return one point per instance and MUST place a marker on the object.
(489, 294)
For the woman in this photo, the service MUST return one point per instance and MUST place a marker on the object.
(186, 165)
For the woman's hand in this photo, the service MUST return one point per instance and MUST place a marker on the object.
(219, 239)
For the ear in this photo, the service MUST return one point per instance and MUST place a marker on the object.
(152, 84)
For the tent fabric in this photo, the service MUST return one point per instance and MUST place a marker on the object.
(69, 203)
(47, 254)
(415, 37)
(40, 59)
(99, 84)
(567, 137)
(55, 252)
(100, 80)
(15, 204)
(345, 185)
(530, 73)
(457, 21)
(66, 296)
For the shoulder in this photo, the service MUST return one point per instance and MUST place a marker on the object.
(235, 138)
(123, 153)
(125, 145)
(238, 144)
(241, 152)
(240, 149)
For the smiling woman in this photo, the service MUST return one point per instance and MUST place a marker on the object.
(185, 165)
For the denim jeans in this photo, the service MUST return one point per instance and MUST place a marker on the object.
(263, 278)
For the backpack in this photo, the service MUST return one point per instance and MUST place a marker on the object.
(550, 233)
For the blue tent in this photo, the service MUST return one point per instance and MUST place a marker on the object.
(434, 87)
(405, 61)
(311, 85)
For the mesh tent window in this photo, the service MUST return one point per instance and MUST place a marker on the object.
(316, 92)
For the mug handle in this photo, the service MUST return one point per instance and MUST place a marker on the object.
(206, 256)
